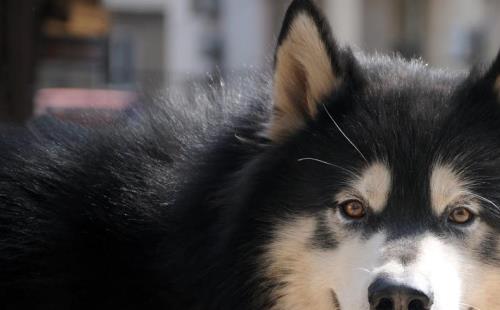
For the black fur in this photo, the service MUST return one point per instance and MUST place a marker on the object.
(170, 209)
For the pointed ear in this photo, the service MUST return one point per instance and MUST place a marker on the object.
(494, 72)
(306, 68)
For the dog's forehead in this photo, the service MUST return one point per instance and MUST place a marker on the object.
(410, 89)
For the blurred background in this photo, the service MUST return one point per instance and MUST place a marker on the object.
(63, 56)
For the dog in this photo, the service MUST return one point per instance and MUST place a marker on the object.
(339, 181)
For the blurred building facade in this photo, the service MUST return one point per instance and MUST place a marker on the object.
(141, 46)
(172, 42)
(203, 36)
(230, 35)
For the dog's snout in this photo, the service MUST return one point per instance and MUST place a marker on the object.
(384, 294)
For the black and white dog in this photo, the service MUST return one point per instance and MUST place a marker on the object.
(345, 181)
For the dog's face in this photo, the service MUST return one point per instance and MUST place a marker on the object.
(387, 190)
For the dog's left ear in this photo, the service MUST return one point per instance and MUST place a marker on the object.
(494, 74)
(308, 67)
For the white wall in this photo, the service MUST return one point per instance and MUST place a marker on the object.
(450, 22)
(492, 24)
(346, 18)
(246, 28)
(183, 48)
(136, 6)
(381, 28)
(248, 34)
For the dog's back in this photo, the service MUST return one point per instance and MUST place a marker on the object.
(87, 214)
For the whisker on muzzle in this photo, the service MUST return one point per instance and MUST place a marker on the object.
(364, 270)
(469, 307)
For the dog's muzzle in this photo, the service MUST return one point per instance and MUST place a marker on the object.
(385, 294)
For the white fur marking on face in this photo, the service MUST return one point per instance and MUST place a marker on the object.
(446, 187)
(438, 264)
(351, 268)
(374, 186)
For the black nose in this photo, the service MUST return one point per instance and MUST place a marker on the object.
(384, 294)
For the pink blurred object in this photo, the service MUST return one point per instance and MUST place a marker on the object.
(51, 100)
(89, 107)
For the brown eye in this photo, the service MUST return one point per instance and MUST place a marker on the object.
(461, 215)
(353, 209)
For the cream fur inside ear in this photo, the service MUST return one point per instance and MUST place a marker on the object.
(303, 75)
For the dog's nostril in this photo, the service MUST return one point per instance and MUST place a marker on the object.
(417, 305)
(385, 304)
(384, 294)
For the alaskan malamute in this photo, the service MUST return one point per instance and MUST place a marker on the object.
(345, 181)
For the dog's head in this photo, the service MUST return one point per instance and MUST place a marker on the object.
(384, 180)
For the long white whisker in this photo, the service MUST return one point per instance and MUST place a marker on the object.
(329, 164)
(364, 269)
(342, 132)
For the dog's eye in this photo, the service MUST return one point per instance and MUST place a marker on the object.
(353, 209)
(461, 215)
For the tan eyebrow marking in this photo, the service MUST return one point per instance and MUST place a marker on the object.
(446, 186)
(373, 185)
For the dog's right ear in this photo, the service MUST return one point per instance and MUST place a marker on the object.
(488, 87)
(495, 74)
(307, 68)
